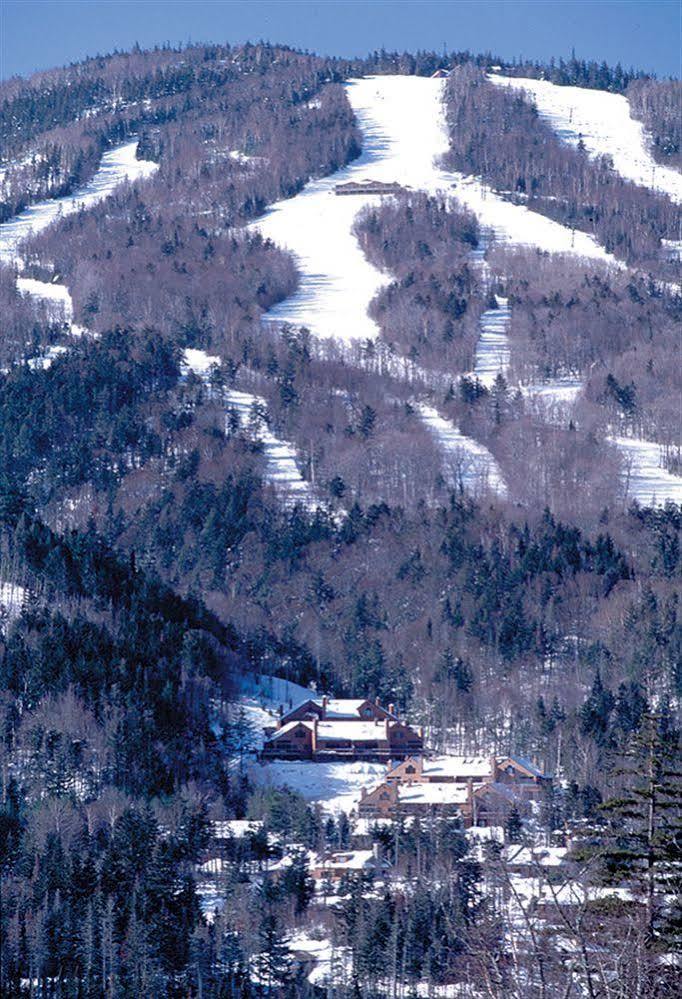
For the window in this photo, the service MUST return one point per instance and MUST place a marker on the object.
(410, 769)
(366, 712)
(299, 734)
(384, 796)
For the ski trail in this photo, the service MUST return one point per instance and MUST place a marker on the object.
(492, 349)
(602, 121)
(467, 463)
(645, 479)
(280, 457)
(404, 134)
(117, 165)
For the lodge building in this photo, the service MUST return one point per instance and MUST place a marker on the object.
(327, 728)
(481, 790)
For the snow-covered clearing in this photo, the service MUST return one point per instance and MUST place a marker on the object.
(334, 786)
(602, 121)
(117, 166)
(251, 410)
(404, 133)
(645, 478)
(57, 299)
(466, 461)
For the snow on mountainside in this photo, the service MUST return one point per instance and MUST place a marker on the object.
(281, 468)
(467, 463)
(404, 134)
(117, 166)
(603, 122)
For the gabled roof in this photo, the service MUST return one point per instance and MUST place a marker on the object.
(501, 790)
(350, 860)
(288, 727)
(523, 763)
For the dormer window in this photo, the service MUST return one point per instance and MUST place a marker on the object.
(410, 769)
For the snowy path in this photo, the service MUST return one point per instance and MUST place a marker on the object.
(602, 120)
(492, 349)
(280, 456)
(645, 479)
(117, 166)
(467, 462)
(401, 118)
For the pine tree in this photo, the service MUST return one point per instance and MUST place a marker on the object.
(644, 839)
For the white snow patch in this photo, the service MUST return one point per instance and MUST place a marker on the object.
(602, 121)
(12, 599)
(116, 166)
(467, 461)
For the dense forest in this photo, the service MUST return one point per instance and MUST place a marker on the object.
(149, 566)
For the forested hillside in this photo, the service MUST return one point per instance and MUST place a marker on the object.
(156, 563)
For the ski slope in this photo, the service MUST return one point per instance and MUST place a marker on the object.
(602, 120)
(404, 134)
(492, 349)
(117, 165)
(467, 463)
(645, 479)
(281, 468)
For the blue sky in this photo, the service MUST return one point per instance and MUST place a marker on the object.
(38, 34)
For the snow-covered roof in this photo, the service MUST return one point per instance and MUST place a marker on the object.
(526, 764)
(343, 707)
(288, 726)
(358, 731)
(350, 860)
(432, 794)
(457, 766)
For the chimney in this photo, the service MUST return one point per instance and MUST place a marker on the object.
(377, 702)
(325, 702)
(493, 768)
(391, 709)
(363, 793)
(314, 742)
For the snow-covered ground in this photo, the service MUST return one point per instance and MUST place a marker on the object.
(282, 470)
(12, 599)
(334, 786)
(602, 120)
(492, 349)
(465, 460)
(645, 478)
(117, 166)
(56, 297)
(404, 133)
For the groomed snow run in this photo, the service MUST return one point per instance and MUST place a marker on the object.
(492, 349)
(116, 166)
(281, 468)
(645, 479)
(404, 133)
(466, 462)
(57, 299)
(602, 120)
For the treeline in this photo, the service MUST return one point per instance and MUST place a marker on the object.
(430, 311)
(576, 72)
(497, 134)
(657, 104)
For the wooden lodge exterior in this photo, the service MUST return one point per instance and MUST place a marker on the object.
(368, 187)
(481, 790)
(380, 739)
